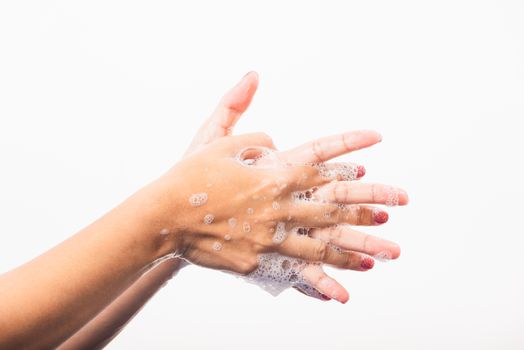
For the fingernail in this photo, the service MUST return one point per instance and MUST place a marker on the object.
(367, 263)
(361, 171)
(325, 297)
(381, 217)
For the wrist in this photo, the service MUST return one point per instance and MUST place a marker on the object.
(160, 210)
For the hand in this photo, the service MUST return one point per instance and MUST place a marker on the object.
(221, 123)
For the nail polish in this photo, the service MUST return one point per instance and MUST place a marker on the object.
(381, 217)
(361, 171)
(367, 263)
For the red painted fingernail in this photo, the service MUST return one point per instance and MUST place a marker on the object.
(367, 263)
(361, 171)
(325, 297)
(381, 217)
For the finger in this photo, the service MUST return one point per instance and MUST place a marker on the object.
(315, 250)
(348, 192)
(318, 280)
(234, 103)
(313, 214)
(309, 176)
(226, 114)
(321, 216)
(343, 236)
(217, 254)
(329, 147)
(309, 291)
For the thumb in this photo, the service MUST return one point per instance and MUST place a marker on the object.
(230, 108)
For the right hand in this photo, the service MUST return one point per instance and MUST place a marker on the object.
(357, 244)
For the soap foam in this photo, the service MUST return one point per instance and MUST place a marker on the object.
(337, 171)
(392, 196)
(280, 233)
(275, 273)
(383, 256)
(198, 199)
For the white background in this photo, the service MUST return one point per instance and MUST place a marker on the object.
(98, 98)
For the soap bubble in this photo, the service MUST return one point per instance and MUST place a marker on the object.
(392, 196)
(232, 222)
(341, 171)
(208, 219)
(276, 273)
(383, 256)
(280, 233)
(198, 199)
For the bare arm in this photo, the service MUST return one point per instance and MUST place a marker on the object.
(49, 298)
(104, 327)
(108, 324)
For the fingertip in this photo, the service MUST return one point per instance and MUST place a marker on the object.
(380, 216)
(403, 197)
(395, 251)
(252, 75)
(376, 135)
(359, 139)
(367, 263)
(361, 171)
(371, 134)
(343, 298)
(406, 198)
(339, 294)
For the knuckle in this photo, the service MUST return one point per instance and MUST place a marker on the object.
(264, 137)
(365, 243)
(374, 192)
(317, 150)
(335, 234)
(340, 192)
(361, 215)
(346, 139)
(321, 251)
(348, 260)
(248, 266)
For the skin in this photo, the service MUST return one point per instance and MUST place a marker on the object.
(92, 268)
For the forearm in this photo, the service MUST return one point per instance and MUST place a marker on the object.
(106, 325)
(49, 298)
